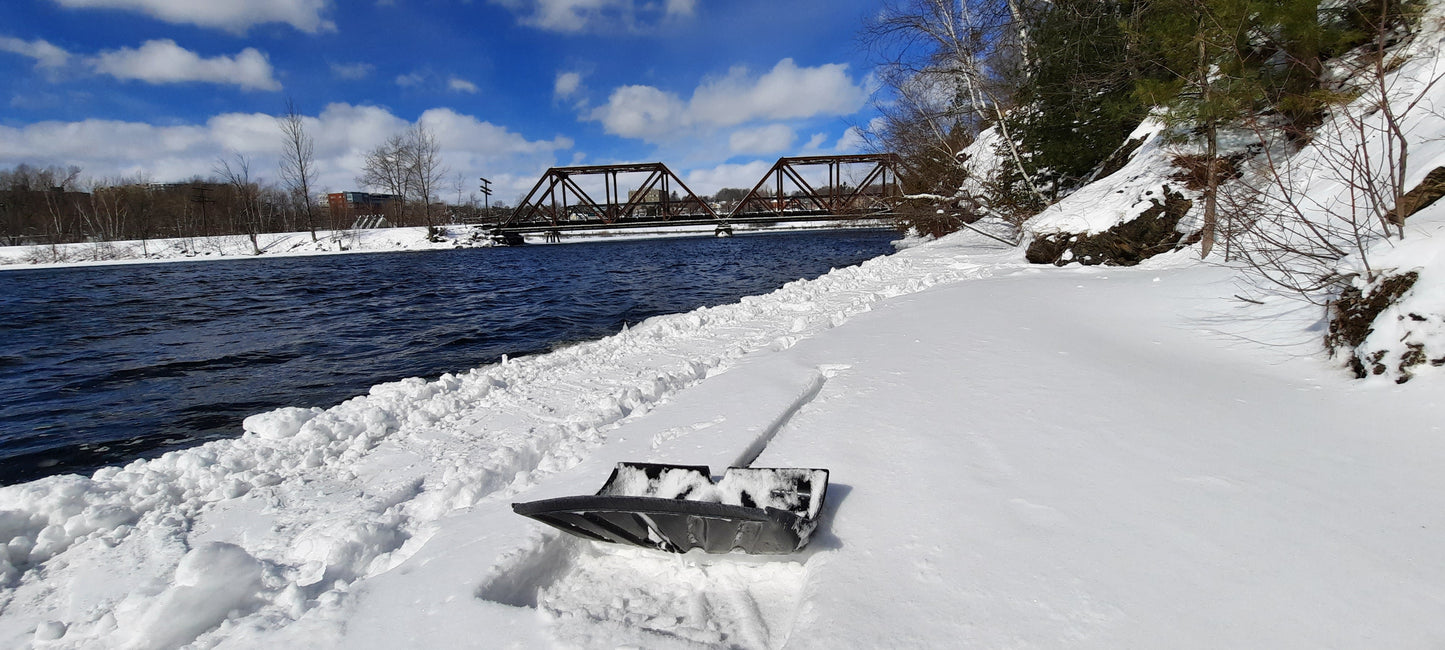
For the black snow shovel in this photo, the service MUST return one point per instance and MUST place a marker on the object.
(678, 508)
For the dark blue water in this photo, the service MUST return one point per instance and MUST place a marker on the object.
(99, 366)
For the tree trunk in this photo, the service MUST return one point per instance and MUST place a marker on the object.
(1211, 157)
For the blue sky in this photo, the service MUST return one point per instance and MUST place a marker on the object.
(717, 89)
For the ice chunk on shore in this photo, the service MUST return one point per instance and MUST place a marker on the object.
(280, 423)
(212, 582)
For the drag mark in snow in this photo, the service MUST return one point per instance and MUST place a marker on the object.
(810, 393)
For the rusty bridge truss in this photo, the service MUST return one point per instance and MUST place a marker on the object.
(566, 198)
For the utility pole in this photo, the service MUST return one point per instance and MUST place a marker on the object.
(487, 196)
(203, 197)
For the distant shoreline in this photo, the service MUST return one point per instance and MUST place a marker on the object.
(338, 242)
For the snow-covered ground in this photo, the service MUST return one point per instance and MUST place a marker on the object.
(376, 240)
(1020, 456)
(327, 242)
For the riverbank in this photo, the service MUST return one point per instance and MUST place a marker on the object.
(342, 242)
(1092, 457)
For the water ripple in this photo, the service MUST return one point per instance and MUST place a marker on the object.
(104, 365)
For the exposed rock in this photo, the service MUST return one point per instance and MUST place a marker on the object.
(1194, 169)
(1427, 192)
(1352, 320)
(1153, 232)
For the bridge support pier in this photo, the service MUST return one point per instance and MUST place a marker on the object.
(724, 229)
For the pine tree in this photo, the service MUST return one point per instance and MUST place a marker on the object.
(1077, 103)
(1216, 63)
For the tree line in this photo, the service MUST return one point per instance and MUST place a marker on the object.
(53, 205)
(57, 205)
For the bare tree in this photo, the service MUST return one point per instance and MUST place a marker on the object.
(298, 163)
(105, 210)
(1295, 218)
(245, 202)
(55, 207)
(387, 169)
(950, 65)
(423, 155)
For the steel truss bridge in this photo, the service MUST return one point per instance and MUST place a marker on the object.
(566, 198)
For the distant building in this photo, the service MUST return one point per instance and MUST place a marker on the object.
(650, 196)
(650, 199)
(187, 186)
(352, 206)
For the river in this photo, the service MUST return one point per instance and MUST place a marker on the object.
(101, 365)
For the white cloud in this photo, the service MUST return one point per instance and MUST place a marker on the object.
(163, 61)
(572, 16)
(744, 175)
(816, 142)
(457, 84)
(409, 80)
(785, 92)
(465, 133)
(851, 141)
(231, 15)
(643, 112)
(45, 54)
(762, 140)
(343, 134)
(681, 7)
(567, 85)
(352, 71)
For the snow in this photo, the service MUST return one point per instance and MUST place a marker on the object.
(1018, 456)
(752, 487)
(673, 482)
(212, 582)
(981, 161)
(1327, 193)
(1122, 196)
(236, 247)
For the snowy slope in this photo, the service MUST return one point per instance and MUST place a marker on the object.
(1121, 196)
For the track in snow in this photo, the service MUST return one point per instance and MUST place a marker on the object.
(600, 595)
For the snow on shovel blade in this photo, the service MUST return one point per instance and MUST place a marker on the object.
(678, 508)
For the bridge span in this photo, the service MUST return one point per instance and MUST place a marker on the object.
(858, 186)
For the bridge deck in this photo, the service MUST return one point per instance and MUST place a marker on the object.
(598, 224)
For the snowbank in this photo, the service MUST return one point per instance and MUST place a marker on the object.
(323, 499)
(239, 246)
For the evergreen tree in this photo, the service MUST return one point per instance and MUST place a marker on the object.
(1219, 62)
(1076, 105)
